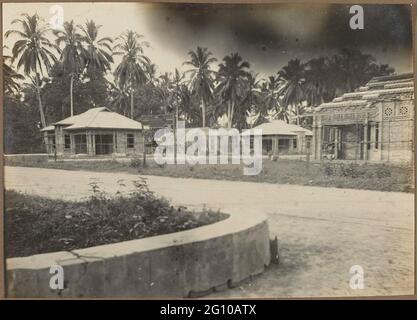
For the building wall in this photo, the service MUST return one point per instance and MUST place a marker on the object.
(397, 131)
(299, 147)
(119, 142)
(390, 137)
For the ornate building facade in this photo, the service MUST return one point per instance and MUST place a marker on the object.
(374, 123)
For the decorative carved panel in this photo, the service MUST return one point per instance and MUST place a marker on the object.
(398, 110)
(343, 118)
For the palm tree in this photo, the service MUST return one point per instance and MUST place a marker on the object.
(164, 91)
(132, 71)
(151, 71)
(178, 91)
(293, 90)
(10, 77)
(232, 76)
(253, 94)
(272, 91)
(251, 105)
(71, 56)
(201, 79)
(33, 51)
(119, 98)
(97, 53)
(284, 114)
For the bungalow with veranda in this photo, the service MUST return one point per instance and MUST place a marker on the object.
(281, 138)
(98, 132)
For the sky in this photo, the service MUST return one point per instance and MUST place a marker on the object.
(267, 36)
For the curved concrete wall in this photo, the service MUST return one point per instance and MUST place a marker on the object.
(183, 264)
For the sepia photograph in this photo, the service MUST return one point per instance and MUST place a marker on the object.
(202, 150)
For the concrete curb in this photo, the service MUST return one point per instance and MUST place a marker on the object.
(184, 264)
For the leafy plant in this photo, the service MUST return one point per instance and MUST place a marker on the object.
(38, 225)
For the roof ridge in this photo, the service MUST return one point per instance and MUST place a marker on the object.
(393, 77)
(96, 114)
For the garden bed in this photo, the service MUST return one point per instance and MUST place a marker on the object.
(36, 224)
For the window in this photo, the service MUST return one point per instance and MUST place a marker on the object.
(103, 144)
(294, 144)
(130, 141)
(67, 141)
(80, 141)
(51, 143)
(266, 146)
(376, 135)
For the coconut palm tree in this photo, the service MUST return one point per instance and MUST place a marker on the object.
(151, 71)
(253, 94)
(178, 91)
(164, 91)
(293, 90)
(97, 53)
(10, 77)
(132, 71)
(232, 78)
(34, 52)
(272, 90)
(201, 77)
(251, 105)
(119, 98)
(71, 55)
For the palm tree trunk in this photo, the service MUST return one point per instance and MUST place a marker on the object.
(71, 95)
(229, 109)
(232, 111)
(298, 115)
(203, 110)
(123, 109)
(131, 104)
(38, 94)
(42, 114)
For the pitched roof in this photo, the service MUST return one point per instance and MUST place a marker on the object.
(279, 127)
(99, 118)
(378, 88)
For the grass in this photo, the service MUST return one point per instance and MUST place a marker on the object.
(380, 177)
(36, 224)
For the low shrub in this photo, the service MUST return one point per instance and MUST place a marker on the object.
(382, 171)
(329, 169)
(37, 225)
(136, 163)
(351, 170)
